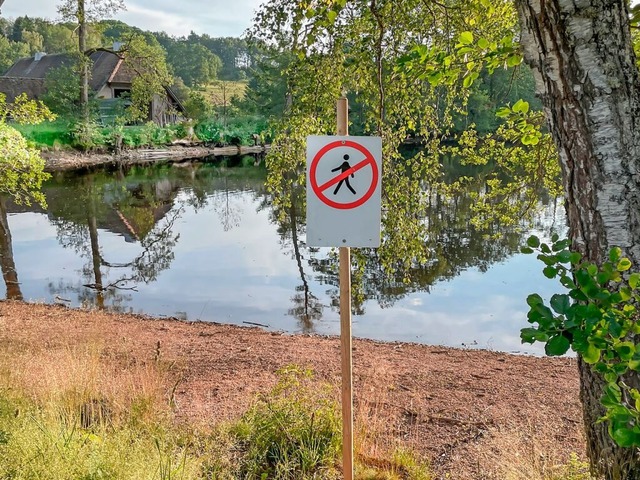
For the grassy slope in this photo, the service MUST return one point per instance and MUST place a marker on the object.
(222, 90)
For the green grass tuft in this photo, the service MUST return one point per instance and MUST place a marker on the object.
(293, 433)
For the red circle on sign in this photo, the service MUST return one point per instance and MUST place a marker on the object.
(369, 161)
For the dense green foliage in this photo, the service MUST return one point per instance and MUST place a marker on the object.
(402, 87)
(61, 133)
(193, 63)
(597, 319)
(63, 90)
(237, 131)
(21, 167)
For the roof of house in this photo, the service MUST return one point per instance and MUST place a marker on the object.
(28, 74)
(13, 86)
(104, 65)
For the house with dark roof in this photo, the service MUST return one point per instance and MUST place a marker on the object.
(110, 79)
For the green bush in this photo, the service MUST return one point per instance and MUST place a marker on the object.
(293, 433)
(86, 136)
(237, 131)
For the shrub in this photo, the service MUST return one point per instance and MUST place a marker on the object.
(293, 433)
(85, 135)
(238, 131)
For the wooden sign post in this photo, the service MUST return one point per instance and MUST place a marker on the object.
(343, 210)
(345, 326)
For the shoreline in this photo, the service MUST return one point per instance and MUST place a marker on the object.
(68, 160)
(470, 413)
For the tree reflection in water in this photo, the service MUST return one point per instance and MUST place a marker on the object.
(142, 206)
(138, 207)
(9, 273)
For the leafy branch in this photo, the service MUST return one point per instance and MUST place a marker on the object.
(597, 319)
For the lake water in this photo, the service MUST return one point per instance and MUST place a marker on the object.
(201, 241)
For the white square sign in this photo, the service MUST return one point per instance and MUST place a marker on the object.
(344, 176)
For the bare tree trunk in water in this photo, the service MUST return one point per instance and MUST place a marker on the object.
(582, 57)
(307, 318)
(95, 254)
(7, 263)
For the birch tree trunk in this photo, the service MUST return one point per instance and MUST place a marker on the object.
(586, 76)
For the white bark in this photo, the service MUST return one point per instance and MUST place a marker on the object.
(587, 78)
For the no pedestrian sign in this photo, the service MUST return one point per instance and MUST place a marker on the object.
(343, 191)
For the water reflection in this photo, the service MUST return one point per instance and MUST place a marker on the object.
(203, 241)
(9, 273)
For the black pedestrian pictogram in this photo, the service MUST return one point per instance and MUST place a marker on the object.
(343, 168)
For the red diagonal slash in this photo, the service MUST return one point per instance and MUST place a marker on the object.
(344, 174)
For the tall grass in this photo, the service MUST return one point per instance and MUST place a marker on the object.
(70, 134)
(94, 412)
(222, 92)
(66, 413)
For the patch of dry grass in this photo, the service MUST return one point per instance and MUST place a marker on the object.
(529, 454)
(377, 455)
(90, 373)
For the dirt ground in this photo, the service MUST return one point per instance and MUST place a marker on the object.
(474, 414)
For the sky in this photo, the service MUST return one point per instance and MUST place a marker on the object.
(218, 18)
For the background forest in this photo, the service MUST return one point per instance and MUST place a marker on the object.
(230, 87)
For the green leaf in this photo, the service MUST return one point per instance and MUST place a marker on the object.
(528, 139)
(514, 60)
(557, 345)
(564, 256)
(623, 435)
(625, 294)
(526, 250)
(615, 329)
(466, 38)
(533, 241)
(612, 394)
(567, 282)
(591, 355)
(624, 265)
(549, 272)
(634, 365)
(634, 280)
(503, 112)
(560, 303)
(332, 15)
(521, 106)
(583, 278)
(534, 299)
(614, 254)
(531, 335)
(469, 79)
(560, 245)
(625, 350)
